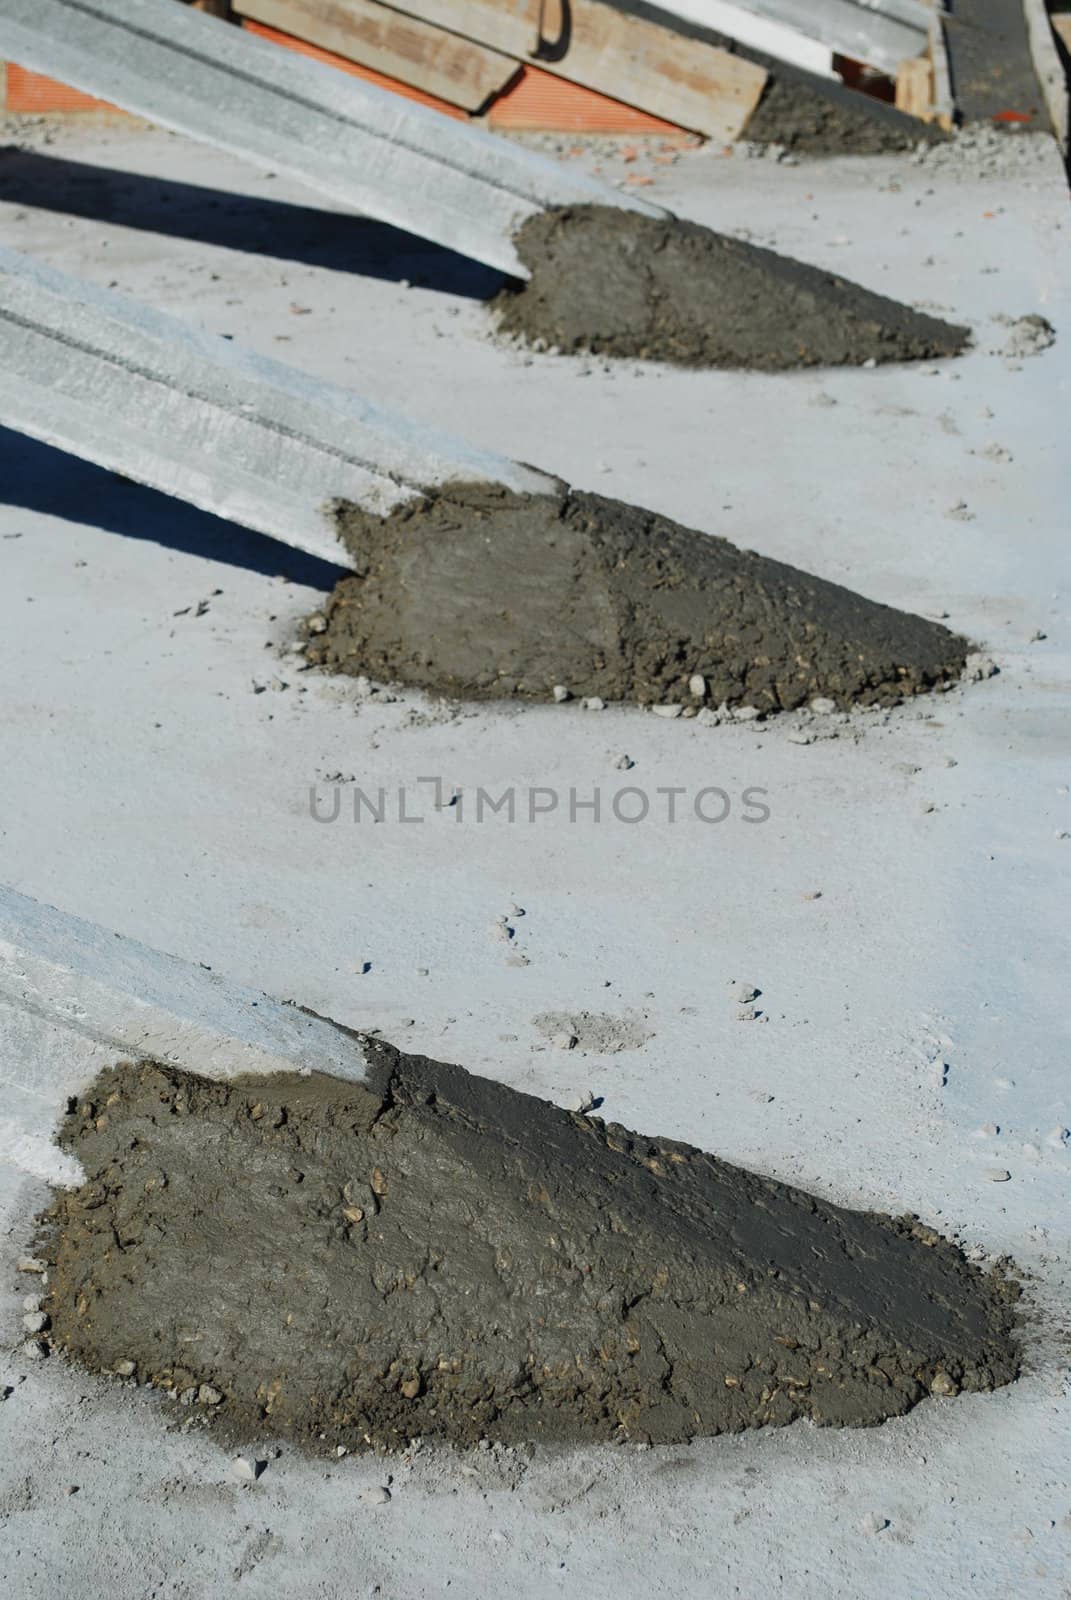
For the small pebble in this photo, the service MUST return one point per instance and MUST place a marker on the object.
(746, 713)
(561, 694)
(584, 1103)
(822, 706)
(32, 1302)
(124, 1369)
(35, 1321)
(246, 1469)
(761, 1096)
(593, 703)
(209, 1395)
(378, 1496)
(869, 364)
(35, 1349)
(32, 1264)
(667, 711)
(746, 992)
(697, 686)
(997, 1174)
(564, 1041)
(317, 623)
(943, 1386)
(873, 1522)
(624, 763)
(746, 1014)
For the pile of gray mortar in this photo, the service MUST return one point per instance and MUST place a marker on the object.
(620, 284)
(431, 1253)
(479, 592)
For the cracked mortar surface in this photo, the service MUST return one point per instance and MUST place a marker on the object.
(434, 1254)
(483, 593)
(656, 288)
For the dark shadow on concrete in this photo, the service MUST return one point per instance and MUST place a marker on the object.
(39, 478)
(341, 241)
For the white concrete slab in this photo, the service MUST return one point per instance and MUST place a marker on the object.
(157, 766)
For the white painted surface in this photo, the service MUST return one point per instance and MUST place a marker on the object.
(147, 786)
(366, 147)
(760, 33)
(236, 434)
(880, 32)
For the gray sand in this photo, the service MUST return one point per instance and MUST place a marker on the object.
(436, 1254)
(620, 284)
(481, 593)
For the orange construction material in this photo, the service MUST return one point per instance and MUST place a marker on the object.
(34, 94)
(367, 73)
(539, 100)
(536, 100)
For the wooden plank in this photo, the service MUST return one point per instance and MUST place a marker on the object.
(914, 87)
(456, 70)
(693, 85)
(509, 25)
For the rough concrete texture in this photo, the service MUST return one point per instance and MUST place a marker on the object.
(438, 1255)
(816, 122)
(665, 290)
(483, 593)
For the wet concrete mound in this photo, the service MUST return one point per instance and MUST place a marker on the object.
(620, 284)
(480, 592)
(432, 1253)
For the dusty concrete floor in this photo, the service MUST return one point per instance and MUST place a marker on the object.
(919, 1001)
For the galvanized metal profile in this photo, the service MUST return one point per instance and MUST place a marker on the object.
(61, 972)
(256, 442)
(365, 147)
(882, 33)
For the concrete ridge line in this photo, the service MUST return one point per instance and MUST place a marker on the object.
(388, 157)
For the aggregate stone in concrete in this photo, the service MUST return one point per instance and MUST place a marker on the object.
(432, 1253)
(484, 593)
